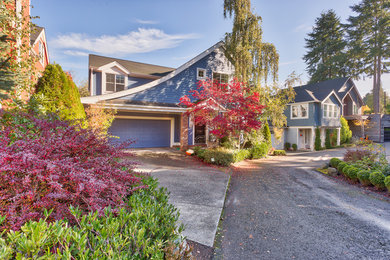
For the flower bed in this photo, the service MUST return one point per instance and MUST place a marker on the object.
(366, 165)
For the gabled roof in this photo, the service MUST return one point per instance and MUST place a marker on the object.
(96, 61)
(36, 31)
(317, 92)
(151, 85)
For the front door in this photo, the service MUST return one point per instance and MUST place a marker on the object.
(304, 139)
(200, 134)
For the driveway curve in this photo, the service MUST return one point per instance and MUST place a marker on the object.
(279, 208)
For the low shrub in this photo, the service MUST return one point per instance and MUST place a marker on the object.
(341, 166)
(352, 173)
(364, 177)
(294, 147)
(334, 162)
(148, 231)
(218, 156)
(287, 146)
(353, 155)
(241, 155)
(346, 169)
(279, 152)
(259, 151)
(46, 163)
(199, 152)
(377, 179)
(387, 183)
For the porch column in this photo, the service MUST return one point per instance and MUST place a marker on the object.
(184, 132)
(338, 136)
(323, 136)
(312, 139)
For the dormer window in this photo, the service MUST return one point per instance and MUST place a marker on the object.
(331, 111)
(200, 74)
(114, 82)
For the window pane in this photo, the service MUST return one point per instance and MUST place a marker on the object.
(330, 111)
(120, 79)
(325, 110)
(201, 73)
(294, 111)
(110, 86)
(224, 78)
(110, 78)
(303, 111)
(120, 87)
(335, 111)
(216, 76)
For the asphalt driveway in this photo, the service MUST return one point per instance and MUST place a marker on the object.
(197, 190)
(279, 208)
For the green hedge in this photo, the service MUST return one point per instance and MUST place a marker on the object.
(294, 147)
(259, 151)
(218, 156)
(241, 155)
(377, 179)
(279, 152)
(148, 231)
(352, 173)
(364, 177)
(334, 162)
(387, 183)
(341, 166)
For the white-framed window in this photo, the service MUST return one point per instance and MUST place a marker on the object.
(41, 53)
(300, 111)
(200, 74)
(330, 111)
(221, 77)
(115, 82)
(355, 109)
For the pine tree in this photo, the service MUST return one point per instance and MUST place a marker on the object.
(369, 38)
(267, 135)
(325, 57)
(57, 93)
(317, 141)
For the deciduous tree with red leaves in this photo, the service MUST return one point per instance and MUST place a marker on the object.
(227, 109)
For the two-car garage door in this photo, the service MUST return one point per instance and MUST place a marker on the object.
(145, 132)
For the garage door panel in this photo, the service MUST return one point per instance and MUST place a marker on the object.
(145, 132)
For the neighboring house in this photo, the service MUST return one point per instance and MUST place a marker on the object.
(321, 105)
(39, 47)
(147, 97)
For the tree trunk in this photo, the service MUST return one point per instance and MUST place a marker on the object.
(378, 82)
(375, 90)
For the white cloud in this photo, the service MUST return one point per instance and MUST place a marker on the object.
(140, 41)
(146, 21)
(75, 53)
(303, 28)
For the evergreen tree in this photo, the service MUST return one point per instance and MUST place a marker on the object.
(369, 40)
(256, 61)
(327, 139)
(317, 141)
(345, 132)
(57, 93)
(325, 57)
(267, 135)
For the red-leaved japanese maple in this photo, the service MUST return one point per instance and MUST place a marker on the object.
(46, 163)
(225, 108)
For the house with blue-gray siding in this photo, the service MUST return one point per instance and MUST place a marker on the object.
(146, 97)
(320, 105)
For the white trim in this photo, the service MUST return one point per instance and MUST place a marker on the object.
(113, 64)
(357, 91)
(91, 82)
(95, 99)
(303, 102)
(204, 74)
(307, 111)
(42, 35)
(145, 108)
(341, 102)
(305, 127)
(219, 72)
(332, 111)
(172, 135)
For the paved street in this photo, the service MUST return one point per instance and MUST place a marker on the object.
(280, 209)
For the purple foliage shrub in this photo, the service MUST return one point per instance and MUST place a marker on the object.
(46, 163)
(353, 155)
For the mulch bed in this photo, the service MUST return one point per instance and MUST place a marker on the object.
(200, 251)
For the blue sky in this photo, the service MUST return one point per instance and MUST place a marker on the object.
(171, 32)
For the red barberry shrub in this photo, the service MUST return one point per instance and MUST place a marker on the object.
(46, 163)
